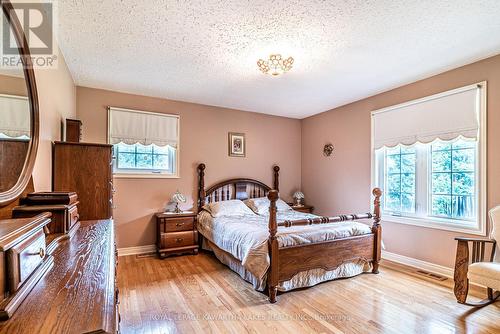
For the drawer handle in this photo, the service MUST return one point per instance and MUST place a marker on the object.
(179, 240)
(40, 253)
(179, 224)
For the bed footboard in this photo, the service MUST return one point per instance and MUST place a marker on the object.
(288, 261)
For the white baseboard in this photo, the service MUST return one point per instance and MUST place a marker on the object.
(136, 250)
(419, 264)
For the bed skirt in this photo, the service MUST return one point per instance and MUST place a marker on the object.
(301, 280)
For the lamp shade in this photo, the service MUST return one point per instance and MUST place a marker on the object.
(298, 195)
(178, 197)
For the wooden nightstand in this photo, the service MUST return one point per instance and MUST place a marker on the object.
(176, 233)
(304, 208)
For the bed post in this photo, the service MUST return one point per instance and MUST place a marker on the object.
(377, 230)
(273, 272)
(201, 186)
(276, 178)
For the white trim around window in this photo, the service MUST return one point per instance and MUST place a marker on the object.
(480, 228)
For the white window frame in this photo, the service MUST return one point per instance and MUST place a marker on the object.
(150, 173)
(447, 224)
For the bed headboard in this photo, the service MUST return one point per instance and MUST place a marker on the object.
(239, 188)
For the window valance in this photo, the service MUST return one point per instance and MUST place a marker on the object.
(14, 116)
(445, 116)
(146, 128)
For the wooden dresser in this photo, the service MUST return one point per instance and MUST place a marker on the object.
(176, 233)
(79, 294)
(87, 170)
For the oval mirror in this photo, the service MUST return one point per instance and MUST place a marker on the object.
(18, 109)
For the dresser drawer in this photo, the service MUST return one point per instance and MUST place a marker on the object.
(179, 239)
(179, 224)
(24, 258)
(73, 217)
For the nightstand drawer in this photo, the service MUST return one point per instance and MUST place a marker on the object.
(179, 239)
(179, 224)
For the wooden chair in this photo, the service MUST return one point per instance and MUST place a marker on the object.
(481, 271)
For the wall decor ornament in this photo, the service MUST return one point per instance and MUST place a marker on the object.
(328, 150)
(237, 144)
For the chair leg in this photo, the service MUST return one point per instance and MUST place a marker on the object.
(486, 301)
(492, 297)
(460, 276)
(490, 293)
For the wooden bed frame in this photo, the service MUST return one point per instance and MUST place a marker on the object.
(285, 262)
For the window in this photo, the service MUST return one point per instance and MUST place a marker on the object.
(145, 144)
(140, 157)
(435, 180)
(431, 177)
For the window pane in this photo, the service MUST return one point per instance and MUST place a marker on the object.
(400, 179)
(160, 162)
(408, 183)
(439, 146)
(161, 149)
(394, 183)
(464, 144)
(393, 164)
(126, 160)
(463, 206)
(441, 161)
(408, 163)
(463, 184)
(145, 161)
(125, 148)
(394, 150)
(393, 201)
(463, 160)
(144, 149)
(441, 183)
(408, 203)
(407, 150)
(441, 205)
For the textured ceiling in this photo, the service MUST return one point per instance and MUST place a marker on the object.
(205, 51)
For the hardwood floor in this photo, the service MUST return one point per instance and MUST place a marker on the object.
(190, 294)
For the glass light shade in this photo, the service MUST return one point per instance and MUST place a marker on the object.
(275, 65)
(298, 195)
(178, 198)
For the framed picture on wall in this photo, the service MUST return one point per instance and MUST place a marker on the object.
(237, 144)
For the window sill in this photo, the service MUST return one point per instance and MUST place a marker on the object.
(144, 176)
(436, 224)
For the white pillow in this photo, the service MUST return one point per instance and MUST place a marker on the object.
(233, 207)
(261, 205)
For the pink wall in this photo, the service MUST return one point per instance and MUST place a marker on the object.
(341, 184)
(204, 130)
(57, 101)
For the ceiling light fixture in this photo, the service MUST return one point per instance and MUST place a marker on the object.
(275, 65)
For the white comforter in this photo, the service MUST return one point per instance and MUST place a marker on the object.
(245, 237)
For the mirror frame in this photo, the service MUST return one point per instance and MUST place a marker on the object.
(29, 77)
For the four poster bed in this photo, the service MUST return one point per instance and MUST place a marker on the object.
(277, 248)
